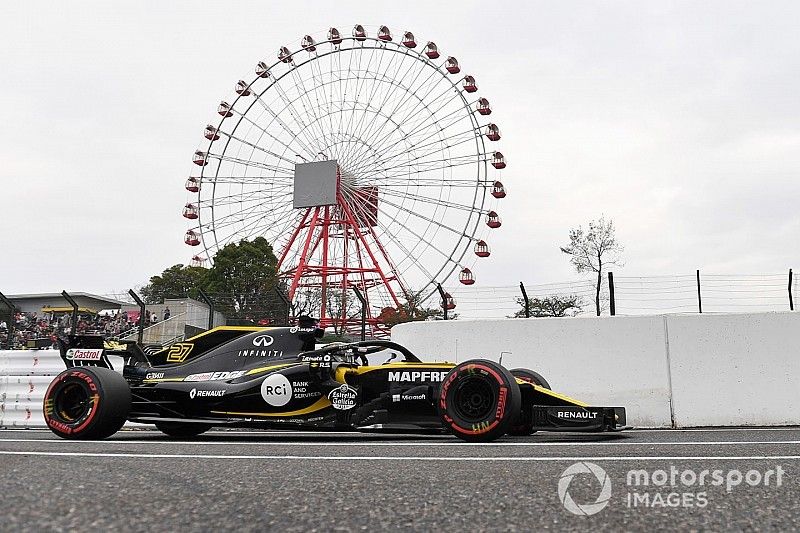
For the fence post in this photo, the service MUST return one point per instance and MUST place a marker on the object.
(791, 301)
(444, 299)
(699, 297)
(525, 298)
(142, 311)
(286, 302)
(68, 298)
(12, 309)
(363, 312)
(207, 300)
(612, 303)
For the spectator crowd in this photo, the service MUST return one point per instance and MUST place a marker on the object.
(31, 327)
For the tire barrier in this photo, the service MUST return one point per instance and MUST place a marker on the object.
(24, 378)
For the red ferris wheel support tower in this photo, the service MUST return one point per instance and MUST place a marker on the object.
(335, 248)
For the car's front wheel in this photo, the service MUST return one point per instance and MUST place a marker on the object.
(479, 400)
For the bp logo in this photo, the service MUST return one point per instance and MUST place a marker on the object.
(586, 509)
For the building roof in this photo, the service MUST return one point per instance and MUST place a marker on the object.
(111, 302)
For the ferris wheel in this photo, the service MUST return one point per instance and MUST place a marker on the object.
(366, 160)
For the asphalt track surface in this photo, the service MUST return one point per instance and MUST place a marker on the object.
(302, 481)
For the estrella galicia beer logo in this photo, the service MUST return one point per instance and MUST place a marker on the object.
(586, 509)
(343, 398)
(263, 340)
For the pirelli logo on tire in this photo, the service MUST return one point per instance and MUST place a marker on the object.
(179, 351)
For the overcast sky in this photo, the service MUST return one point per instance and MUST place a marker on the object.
(678, 120)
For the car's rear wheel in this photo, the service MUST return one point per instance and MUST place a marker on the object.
(520, 428)
(87, 403)
(479, 400)
(178, 429)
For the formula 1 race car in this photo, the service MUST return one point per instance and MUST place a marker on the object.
(276, 378)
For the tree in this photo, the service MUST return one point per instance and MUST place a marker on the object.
(412, 311)
(556, 306)
(243, 272)
(177, 281)
(593, 250)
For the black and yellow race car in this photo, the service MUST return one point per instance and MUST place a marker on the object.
(278, 378)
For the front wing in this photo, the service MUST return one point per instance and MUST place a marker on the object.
(576, 418)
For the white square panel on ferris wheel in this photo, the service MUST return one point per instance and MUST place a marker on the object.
(315, 183)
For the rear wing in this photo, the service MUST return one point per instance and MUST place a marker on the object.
(83, 350)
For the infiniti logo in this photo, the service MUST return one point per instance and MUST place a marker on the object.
(263, 340)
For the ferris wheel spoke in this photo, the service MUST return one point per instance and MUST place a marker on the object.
(410, 254)
(393, 83)
(237, 196)
(257, 224)
(417, 135)
(399, 243)
(462, 138)
(420, 165)
(258, 199)
(433, 74)
(430, 200)
(432, 182)
(310, 110)
(343, 87)
(249, 163)
(360, 82)
(361, 237)
(416, 139)
(223, 221)
(380, 142)
(308, 145)
(458, 138)
(358, 130)
(275, 139)
(250, 180)
(289, 106)
(426, 218)
(276, 228)
(418, 106)
(257, 147)
(363, 215)
(322, 86)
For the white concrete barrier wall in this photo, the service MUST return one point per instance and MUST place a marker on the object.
(737, 369)
(681, 370)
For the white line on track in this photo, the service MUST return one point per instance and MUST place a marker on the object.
(408, 444)
(356, 433)
(403, 458)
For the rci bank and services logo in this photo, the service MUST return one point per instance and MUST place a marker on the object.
(586, 509)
